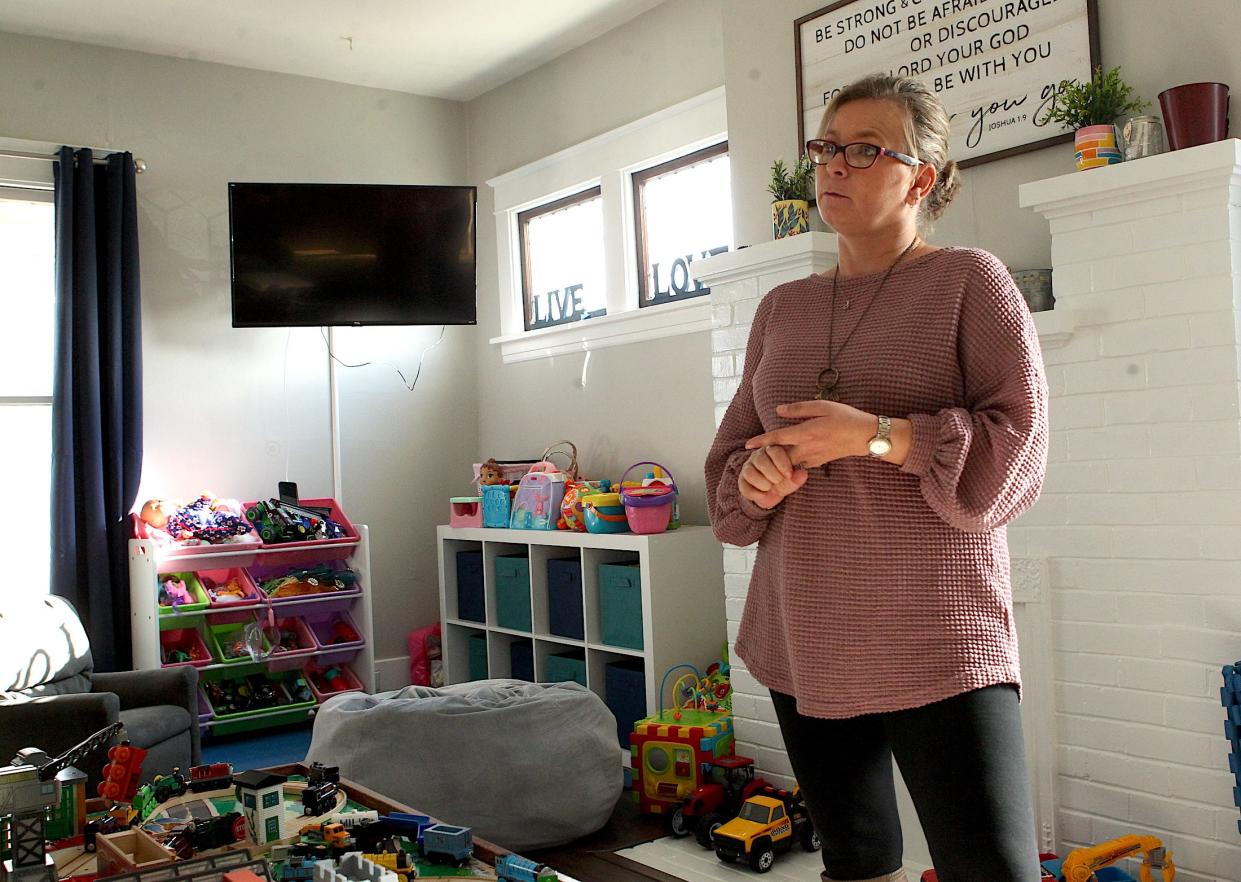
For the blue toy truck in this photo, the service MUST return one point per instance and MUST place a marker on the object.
(444, 843)
(515, 868)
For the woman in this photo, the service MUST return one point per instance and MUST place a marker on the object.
(891, 419)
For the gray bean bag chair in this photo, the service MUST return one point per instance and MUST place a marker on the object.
(526, 765)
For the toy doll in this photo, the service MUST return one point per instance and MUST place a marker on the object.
(491, 473)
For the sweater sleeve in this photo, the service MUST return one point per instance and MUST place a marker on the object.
(735, 519)
(982, 465)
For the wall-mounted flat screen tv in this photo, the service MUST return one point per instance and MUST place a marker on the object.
(351, 254)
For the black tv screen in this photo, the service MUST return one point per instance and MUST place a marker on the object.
(351, 254)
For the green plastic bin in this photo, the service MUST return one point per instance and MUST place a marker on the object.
(192, 585)
(620, 604)
(290, 710)
(477, 644)
(513, 592)
(562, 666)
(221, 637)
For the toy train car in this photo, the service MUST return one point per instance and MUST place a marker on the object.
(211, 776)
(320, 773)
(298, 868)
(208, 833)
(319, 799)
(515, 868)
(167, 786)
(444, 843)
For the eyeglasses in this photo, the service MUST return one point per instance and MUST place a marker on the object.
(859, 154)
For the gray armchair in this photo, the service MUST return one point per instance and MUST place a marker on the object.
(51, 697)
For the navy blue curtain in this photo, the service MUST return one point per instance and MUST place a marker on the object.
(96, 395)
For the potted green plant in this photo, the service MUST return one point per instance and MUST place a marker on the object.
(1091, 109)
(790, 208)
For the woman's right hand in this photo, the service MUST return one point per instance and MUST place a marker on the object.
(768, 476)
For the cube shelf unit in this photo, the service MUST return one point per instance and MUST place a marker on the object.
(681, 584)
(147, 561)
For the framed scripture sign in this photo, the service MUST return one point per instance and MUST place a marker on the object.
(995, 64)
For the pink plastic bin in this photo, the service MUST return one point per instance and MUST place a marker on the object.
(168, 548)
(322, 627)
(345, 681)
(287, 659)
(250, 592)
(313, 550)
(188, 639)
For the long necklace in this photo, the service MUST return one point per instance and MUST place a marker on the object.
(829, 377)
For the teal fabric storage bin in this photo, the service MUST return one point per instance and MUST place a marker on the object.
(620, 604)
(562, 666)
(513, 592)
(478, 656)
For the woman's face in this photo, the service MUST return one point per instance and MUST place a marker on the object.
(861, 200)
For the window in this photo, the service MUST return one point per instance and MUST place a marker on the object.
(249, 801)
(577, 230)
(682, 210)
(562, 260)
(271, 800)
(27, 313)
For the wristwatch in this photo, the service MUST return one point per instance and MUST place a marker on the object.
(881, 444)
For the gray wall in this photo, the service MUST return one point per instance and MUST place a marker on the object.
(215, 397)
(645, 400)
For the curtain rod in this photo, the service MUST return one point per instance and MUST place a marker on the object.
(139, 165)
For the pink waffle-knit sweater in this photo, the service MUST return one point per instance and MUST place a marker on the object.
(880, 587)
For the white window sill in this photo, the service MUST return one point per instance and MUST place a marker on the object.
(632, 326)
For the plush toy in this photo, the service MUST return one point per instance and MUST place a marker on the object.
(206, 519)
(491, 473)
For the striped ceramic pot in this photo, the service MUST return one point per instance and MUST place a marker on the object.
(1097, 146)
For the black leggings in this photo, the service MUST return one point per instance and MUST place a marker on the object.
(963, 760)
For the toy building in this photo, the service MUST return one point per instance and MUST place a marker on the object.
(260, 794)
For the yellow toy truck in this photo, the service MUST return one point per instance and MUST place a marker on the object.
(768, 823)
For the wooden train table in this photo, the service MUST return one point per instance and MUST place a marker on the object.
(72, 861)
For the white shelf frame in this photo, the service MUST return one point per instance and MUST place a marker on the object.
(683, 617)
(146, 563)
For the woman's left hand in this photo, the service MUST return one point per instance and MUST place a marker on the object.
(829, 430)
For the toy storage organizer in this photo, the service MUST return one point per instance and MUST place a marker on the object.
(612, 612)
(329, 636)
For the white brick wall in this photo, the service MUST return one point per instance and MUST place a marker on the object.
(1140, 517)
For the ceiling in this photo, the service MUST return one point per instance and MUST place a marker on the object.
(455, 49)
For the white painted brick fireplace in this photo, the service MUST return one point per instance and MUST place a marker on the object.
(1127, 572)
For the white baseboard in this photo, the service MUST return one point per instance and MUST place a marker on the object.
(391, 673)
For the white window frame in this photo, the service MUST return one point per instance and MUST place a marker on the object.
(606, 161)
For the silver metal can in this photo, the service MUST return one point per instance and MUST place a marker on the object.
(1143, 137)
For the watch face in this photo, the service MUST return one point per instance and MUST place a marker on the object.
(880, 446)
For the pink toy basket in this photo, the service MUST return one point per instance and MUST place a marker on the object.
(649, 509)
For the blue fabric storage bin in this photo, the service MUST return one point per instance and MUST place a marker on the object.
(620, 604)
(513, 591)
(624, 692)
(562, 666)
(470, 602)
(521, 660)
(478, 656)
(564, 598)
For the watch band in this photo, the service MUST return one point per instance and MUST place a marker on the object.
(881, 443)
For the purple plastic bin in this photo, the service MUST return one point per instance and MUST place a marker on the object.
(305, 604)
(204, 712)
(321, 626)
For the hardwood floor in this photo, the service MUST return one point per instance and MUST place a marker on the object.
(591, 858)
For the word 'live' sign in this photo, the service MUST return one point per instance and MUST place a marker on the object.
(995, 64)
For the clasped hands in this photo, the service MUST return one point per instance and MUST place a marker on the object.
(827, 431)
